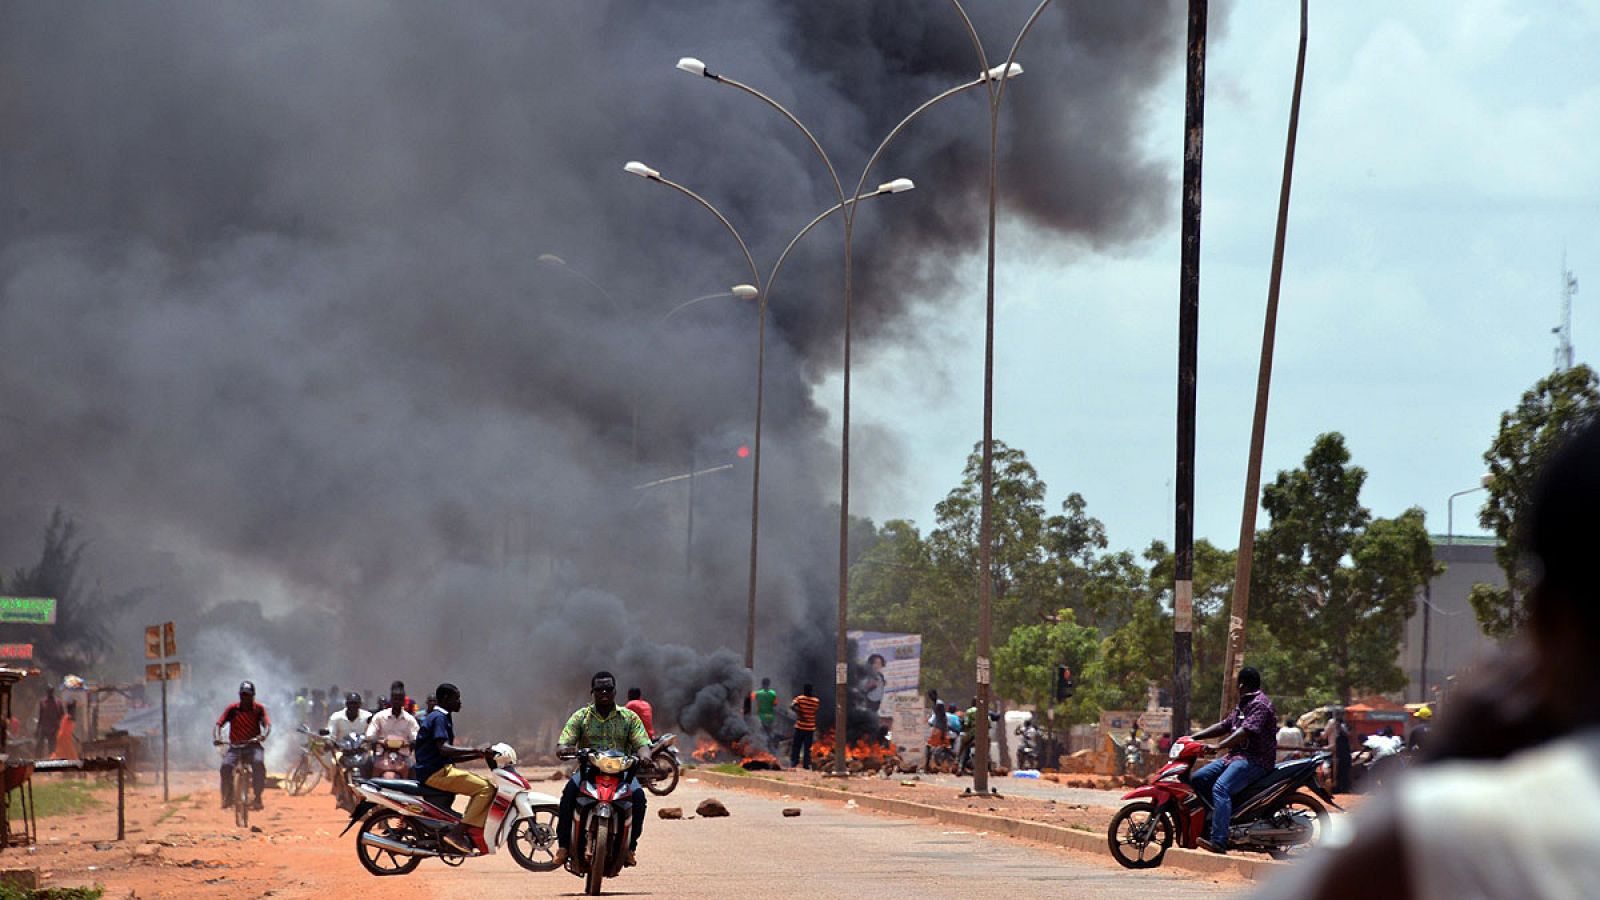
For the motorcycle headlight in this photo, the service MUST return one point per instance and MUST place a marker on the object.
(611, 765)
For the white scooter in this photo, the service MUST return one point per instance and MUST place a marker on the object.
(404, 822)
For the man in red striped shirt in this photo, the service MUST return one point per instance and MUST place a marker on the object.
(247, 724)
(805, 727)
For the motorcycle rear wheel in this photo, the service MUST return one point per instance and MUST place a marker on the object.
(533, 838)
(1303, 801)
(303, 777)
(667, 773)
(1137, 827)
(599, 847)
(383, 862)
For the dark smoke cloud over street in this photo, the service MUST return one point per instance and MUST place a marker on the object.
(273, 325)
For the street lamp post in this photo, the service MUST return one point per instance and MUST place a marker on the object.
(1427, 587)
(746, 291)
(842, 649)
(995, 81)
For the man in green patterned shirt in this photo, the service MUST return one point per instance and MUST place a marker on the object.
(602, 725)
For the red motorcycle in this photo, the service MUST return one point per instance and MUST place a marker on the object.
(1278, 813)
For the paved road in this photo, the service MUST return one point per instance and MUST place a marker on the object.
(827, 852)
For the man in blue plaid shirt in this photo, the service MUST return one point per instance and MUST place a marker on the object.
(602, 725)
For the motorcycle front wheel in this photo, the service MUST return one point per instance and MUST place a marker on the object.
(1139, 837)
(667, 772)
(599, 849)
(532, 840)
(378, 861)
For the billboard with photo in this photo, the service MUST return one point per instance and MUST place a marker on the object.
(887, 681)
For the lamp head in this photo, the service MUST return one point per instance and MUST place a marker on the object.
(692, 66)
(550, 259)
(634, 167)
(897, 186)
(1486, 480)
(1003, 71)
(744, 291)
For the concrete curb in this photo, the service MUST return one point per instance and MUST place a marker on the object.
(1190, 860)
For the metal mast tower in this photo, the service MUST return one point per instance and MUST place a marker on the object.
(1563, 332)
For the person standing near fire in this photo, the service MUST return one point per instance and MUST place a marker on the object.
(766, 701)
(805, 708)
(641, 708)
(49, 721)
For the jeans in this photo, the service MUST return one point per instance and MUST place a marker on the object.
(800, 749)
(569, 808)
(251, 755)
(1224, 778)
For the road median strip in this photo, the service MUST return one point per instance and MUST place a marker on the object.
(1090, 842)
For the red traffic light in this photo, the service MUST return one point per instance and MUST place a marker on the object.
(743, 451)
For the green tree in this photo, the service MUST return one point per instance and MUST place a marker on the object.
(1213, 587)
(78, 639)
(1025, 665)
(1331, 582)
(1548, 413)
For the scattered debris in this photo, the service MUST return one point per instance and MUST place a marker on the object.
(711, 808)
(790, 812)
(103, 846)
(147, 851)
(670, 812)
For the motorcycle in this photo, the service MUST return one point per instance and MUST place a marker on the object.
(1272, 814)
(1028, 748)
(391, 757)
(402, 822)
(663, 756)
(355, 760)
(604, 815)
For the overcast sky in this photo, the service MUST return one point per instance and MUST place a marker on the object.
(1446, 158)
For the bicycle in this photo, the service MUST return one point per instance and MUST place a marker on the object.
(316, 759)
(243, 783)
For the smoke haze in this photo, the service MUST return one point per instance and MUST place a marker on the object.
(275, 329)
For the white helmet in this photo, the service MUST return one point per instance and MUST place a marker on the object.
(503, 755)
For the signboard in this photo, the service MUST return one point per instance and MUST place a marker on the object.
(29, 610)
(152, 642)
(16, 652)
(169, 640)
(1151, 722)
(163, 672)
(888, 679)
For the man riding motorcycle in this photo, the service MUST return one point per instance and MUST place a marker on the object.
(432, 765)
(1252, 745)
(247, 721)
(393, 720)
(602, 725)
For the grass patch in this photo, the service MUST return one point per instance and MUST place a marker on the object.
(8, 892)
(1079, 826)
(172, 808)
(59, 797)
(727, 768)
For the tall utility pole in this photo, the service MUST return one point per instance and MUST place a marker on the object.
(1258, 428)
(1188, 342)
(1563, 332)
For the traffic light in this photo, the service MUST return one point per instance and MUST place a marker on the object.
(743, 452)
(1064, 686)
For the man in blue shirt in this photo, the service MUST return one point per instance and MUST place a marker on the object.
(435, 753)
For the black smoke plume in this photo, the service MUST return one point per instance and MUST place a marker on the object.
(273, 323)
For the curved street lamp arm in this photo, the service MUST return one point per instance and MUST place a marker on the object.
(815, 145)
(977, 42)
(1005, 73)
(556, 262)
(755, 274)
(688, 303)
(895, 132)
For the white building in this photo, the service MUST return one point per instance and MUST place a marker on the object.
(1454, 639)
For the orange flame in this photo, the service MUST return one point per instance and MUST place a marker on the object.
(705, 750)
(863, 755)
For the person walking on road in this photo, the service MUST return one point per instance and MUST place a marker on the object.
(805, 727)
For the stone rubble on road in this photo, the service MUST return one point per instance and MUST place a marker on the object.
(670, 812)
(711, 808)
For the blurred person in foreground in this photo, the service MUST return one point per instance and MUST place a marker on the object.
(1506, 803)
